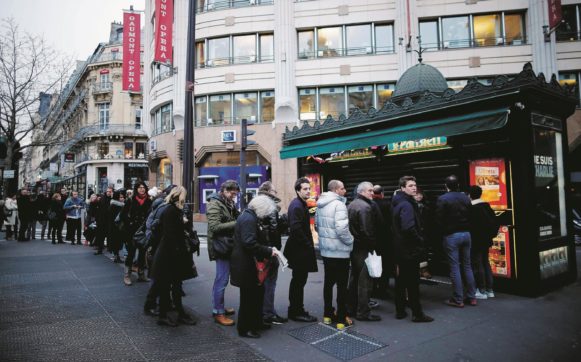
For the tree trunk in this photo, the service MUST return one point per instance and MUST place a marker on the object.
(10, 185)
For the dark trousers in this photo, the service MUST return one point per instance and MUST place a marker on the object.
(31, 229)
(482, 270)
(68, 235)
(24, 233)
(131, 251)
(9, 232)
(152, 294)
(100, 238)
(336, 272)
(74, 227)
(407, 281)
(167, 295)
(296, 292)
(57, 230)
(250, 312)
(359, 285)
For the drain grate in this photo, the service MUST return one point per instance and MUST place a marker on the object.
(344, 345)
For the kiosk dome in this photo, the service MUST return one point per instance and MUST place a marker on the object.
(417, 80)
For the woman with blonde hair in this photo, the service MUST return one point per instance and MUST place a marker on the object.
(172, 262)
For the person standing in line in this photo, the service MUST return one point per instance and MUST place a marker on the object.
(335, 245)
(11, 212)
(42, 204)
(24, 215)
(64, 198)
(362, 225)
(102, 219)
(2, 213)
(273, 229)
(117, 233)
(135, 214)
(33, 217)
(222, 214)
(73, 207)
(251, 245)
(483, 228)
(90, 227)
(56, 218)
(408, 248)
(453, 217)
(300, 251)
(384, 243)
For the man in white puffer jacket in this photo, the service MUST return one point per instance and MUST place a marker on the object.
(335, 245)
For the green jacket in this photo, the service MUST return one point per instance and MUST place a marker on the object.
(221, 220)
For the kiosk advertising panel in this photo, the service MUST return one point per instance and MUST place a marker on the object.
(490, 175)
(499, 254)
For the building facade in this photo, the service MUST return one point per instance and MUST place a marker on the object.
(98, 128)
(283, 63)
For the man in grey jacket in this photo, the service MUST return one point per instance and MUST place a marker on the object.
(335, 245)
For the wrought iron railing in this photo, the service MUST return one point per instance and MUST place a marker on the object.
(102, 130)
(103, 87)
(341, 52)
(210, 5)
(474, 43)
(247, 59)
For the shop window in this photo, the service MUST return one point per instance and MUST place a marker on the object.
(201, 111)
(218, 51)
(331, 102)
(267, 106)
(429, 35)
(244, 47)
(140, 150)
(200, 54)
(103, 115)
(245, 106)
(128, 150)
(266, 48)
(384, 92)
(514, 29)
(329, 42)
(164, 173)
(456, 32)
(571, 80)
(220, 109)
(358, 39)
(384, 39)
(308, 104)
(361, 97)
(306, 44)
(570, 29)
(487, 30)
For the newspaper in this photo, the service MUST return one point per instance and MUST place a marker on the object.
(281, 259)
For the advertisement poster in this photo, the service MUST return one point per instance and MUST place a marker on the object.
(315, 180)
(499, 253)
(131, 78)
(490, 175)
(553, 262)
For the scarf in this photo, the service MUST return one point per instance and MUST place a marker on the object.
(140, 199)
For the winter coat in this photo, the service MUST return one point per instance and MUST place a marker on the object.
(276, 225)
(332, 221)
(362, 223)
(249, 243)
(407, 228)
(483, 222)
(11, 205)
(300, 248)
(453, 212)
(116, 236)
(102, 217)
(41, 207)
(56, 206)
(24, 209)
(92, 212)
(137, 214)
(172, 261)
(221, 220)
(70, 209)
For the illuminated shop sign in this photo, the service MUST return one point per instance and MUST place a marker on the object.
(417, 145)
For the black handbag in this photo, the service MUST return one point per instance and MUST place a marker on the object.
(192, 241)
(140, 237)
(223, 246)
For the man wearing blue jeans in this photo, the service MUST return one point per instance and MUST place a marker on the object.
(453, 215)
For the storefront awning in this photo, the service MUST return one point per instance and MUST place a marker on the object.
(450, 126)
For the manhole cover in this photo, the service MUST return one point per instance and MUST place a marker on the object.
(344, 345)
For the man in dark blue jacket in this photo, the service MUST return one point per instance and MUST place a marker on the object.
(453, 216)
(408, 246)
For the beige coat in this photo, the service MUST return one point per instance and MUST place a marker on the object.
(10, 204)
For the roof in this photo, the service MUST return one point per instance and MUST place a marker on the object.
(419, 79)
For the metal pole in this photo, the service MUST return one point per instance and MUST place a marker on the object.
(188, 174)
(243, 164)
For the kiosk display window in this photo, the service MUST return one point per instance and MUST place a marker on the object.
(490, 175)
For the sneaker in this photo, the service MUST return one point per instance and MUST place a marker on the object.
(479, 295)
(373, 303)
(327, 321)
(453, 303)
(490, 293)
(276, 319)
(229, 311)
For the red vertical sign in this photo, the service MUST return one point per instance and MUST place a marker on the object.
(131, 52)
(555, 14)
(163, 31)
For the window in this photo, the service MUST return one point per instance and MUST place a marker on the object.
(329, 42)
(308, 104)
(266, 48)
(138, 117)
(128, 150)
(104, 78)
(384, 92)
(456, 32)
(246, 106)
(306, 44)
(332, 102)
(487, 30)
(212, 5)
(201, 111)
(218, 51)
(571, 80)
(164, 173)
(244, 47)
(160, 71)
(103, 149)
(140, 150)
(384, 39)
(220, 109)
(359, 39)
(200, 54)
(570, 29)
(360, 96)
(429, 34)
(514, 29)
(267, 106)
(457, 84)
(163, 119)
(103, 115)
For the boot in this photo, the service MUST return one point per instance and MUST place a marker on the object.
(141, 276)
(127, 276)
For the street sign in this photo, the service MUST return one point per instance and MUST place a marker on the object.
(8, 173)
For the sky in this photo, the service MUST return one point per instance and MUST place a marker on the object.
(74, 27)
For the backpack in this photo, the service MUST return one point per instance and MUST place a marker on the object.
(153, 227)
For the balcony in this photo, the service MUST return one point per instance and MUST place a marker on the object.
(103, 88)
(210, 5)
(248, 59)
(111, 131)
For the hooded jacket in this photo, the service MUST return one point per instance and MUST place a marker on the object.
(221, 217)
(407, 228)
(332, 221)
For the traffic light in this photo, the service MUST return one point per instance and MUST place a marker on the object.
(245, 133)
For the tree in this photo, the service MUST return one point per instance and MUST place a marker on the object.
(28, 66)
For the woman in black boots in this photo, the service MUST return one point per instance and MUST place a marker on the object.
(56, 218)
(117, 231)
(137, 210)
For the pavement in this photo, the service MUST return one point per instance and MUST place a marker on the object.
(60, 302)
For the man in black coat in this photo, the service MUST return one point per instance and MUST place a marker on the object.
(24, 214)
(362, 225)
(103, 220)
(384, 242)
(408, 248)
(300, 251)
(42, 205)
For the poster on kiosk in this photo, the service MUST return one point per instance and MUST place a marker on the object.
(490, 175)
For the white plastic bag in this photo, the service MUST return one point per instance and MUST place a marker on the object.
(373, 263)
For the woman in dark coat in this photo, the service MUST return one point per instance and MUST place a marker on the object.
(117, 233)
(137, 210)
(250, 245)
(91, 219)
(172, 262)
(56, 218)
